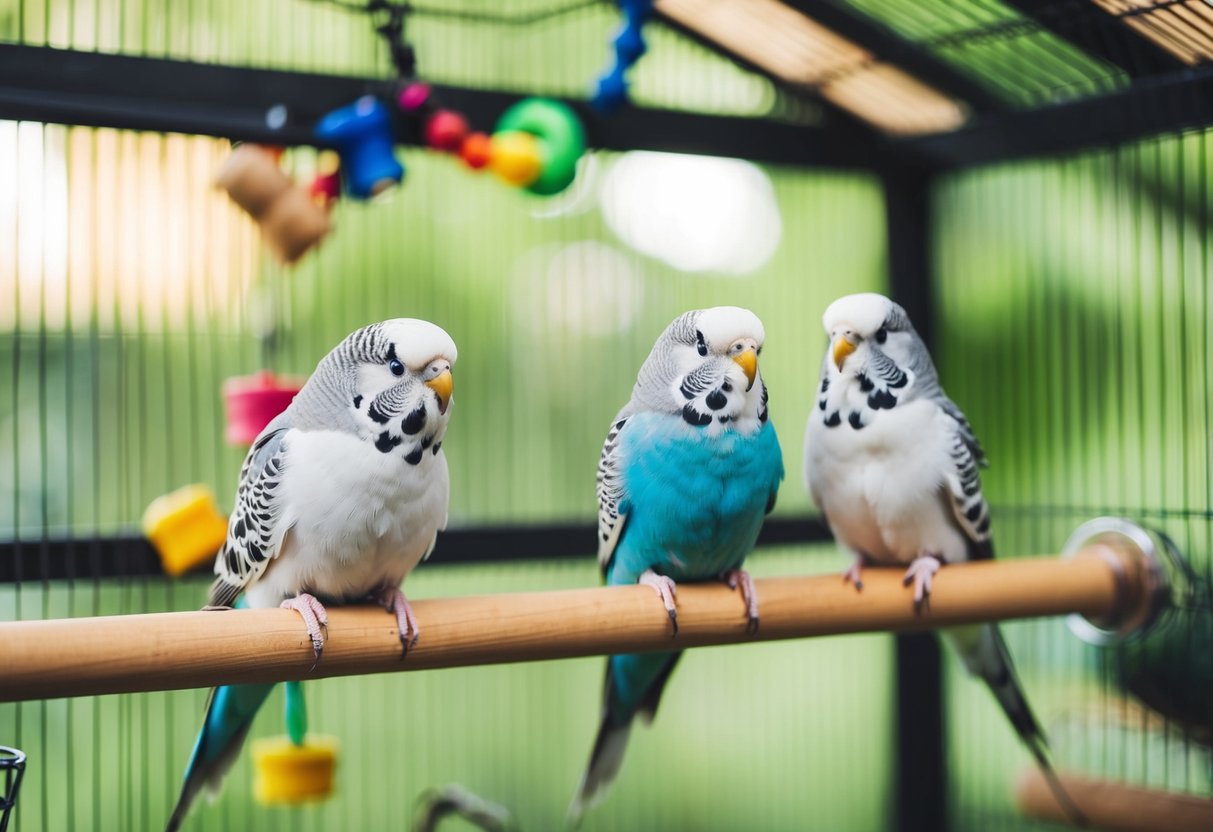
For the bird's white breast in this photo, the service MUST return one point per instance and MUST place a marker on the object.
(880, 487)
(357, 519)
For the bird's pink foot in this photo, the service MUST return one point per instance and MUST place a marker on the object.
(392, 599)
(666, 590)
(854, 573)
(740, 578)
(314, 616)
(920, 573)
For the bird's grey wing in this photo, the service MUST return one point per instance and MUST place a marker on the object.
(964, 484)
(612, 496)
(253, 536)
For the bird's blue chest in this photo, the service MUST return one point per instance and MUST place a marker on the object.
(695, 502)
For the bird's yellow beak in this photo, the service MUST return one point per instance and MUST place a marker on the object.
(442, 385)
(843, 346)
(748, 362)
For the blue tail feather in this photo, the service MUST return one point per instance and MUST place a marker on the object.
(229, 715)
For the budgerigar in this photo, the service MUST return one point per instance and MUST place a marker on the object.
(690, 467)
(892, 463)
(339, 498)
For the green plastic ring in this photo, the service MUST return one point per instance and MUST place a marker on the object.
(560, 132)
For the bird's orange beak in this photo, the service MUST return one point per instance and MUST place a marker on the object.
(843, 346)
(442, 385)
(748, 362)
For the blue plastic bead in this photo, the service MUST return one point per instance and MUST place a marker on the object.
(629, 46)
(362, 134)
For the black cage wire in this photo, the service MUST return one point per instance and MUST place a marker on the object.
(1034, 176)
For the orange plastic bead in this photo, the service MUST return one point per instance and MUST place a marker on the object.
(476, 150)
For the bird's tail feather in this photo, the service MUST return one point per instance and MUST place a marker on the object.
(603, 767)
(229, 715)
(985, 654)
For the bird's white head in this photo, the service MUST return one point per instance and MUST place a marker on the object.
(391, 382)
(863, 324)
(706, 365)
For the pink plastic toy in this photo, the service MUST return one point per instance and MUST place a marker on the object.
(253, 402)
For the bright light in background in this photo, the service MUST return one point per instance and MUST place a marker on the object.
(121, 226)
(697, 213)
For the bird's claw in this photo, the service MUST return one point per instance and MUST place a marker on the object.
(740, 578)
(920, 573)
(393, 599)
(315, 617)
(667, 591)
(854, 574)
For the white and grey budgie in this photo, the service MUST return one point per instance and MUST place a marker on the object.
(893, 465)
(339, 498)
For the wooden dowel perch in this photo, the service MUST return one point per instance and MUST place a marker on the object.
(115, 654)
(1115, 807)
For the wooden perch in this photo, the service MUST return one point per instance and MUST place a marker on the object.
(115, 654)
(1115, 807)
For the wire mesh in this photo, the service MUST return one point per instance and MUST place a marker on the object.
(1075, 333)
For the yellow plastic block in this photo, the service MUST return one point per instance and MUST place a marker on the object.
(289, 773)
(185, 527)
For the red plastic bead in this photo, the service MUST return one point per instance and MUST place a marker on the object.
(326, 187)
(446, 130)
(476, 150)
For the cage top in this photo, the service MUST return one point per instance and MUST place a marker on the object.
(891, 85)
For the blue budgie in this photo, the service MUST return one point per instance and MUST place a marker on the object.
(339, 498)
(690, 468)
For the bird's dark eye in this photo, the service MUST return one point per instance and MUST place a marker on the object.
(882, 335)
(396, 367)
(700, 344)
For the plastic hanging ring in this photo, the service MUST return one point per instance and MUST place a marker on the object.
(1150, 554)
(560, 134)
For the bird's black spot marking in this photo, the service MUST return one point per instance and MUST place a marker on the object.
(822, 404)
(264, 516)
(825, 384)
(386, 442)
(855, 421)
(619, 425)
(238, 530)
(437, 447)
(865, 383)
(716, 400)
(415, 421)
(722, 419)
(269, 485)
(693, 417)
(900, 381)
(973, 513)
(833, 420)
(688, 392)
(415, 457)
(762, 415)
(255, 552)
(606, 535)
(233, 561)
(376, 414)
(357, 401)
(984, 525)
(882, 399)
